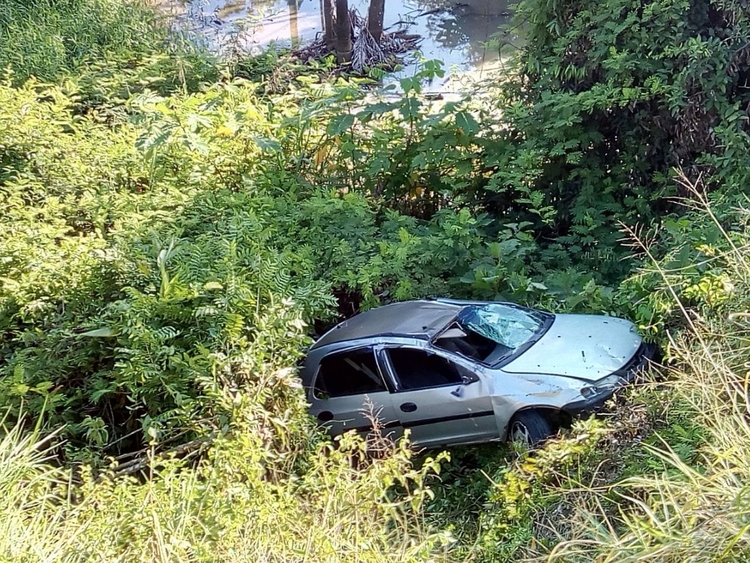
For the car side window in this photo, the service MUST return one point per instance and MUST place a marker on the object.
(348, 373)
(416, 369)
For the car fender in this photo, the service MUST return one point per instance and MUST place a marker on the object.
(512, 393)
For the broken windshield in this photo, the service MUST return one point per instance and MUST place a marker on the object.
(509, 326)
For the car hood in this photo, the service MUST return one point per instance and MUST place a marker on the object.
(583, 346)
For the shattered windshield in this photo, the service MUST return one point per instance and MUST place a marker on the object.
(509, 326)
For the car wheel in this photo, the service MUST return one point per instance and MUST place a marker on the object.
(529, 428)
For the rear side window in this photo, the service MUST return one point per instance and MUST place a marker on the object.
(348, 373)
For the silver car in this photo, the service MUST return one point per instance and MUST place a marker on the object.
(459, 372)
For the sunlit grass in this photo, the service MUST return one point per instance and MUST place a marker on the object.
(340, 510)
(689, 511)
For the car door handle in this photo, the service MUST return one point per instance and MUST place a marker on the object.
(325, 416)
(408, 407)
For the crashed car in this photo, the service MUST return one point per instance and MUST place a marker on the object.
(460, 372)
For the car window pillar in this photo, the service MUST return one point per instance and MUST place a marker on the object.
(389, 374)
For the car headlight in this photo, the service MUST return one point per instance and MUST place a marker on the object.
(604, 385)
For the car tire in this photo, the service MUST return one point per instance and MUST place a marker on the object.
(529, 428)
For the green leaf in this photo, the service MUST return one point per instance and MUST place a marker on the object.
(340, 123)
(410, 108)
(267, 145)
(466, 122)
(99, 333)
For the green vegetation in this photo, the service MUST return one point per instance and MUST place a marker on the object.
(663, 479)
(230, 508)
(173, 233)
(48, 39)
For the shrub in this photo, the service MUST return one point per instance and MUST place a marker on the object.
(48, 39)
(608, 99)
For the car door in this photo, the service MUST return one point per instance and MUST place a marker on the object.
(348, 389)
(438, 397)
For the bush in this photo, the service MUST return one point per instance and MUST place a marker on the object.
(666, 480)
(155, 259)
(48, 39)
(608, 99)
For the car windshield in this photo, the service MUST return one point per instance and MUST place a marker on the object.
(504, 324)
(490, 333)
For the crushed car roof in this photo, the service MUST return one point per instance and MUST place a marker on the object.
(421, 319)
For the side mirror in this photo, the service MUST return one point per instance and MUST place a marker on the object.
(467, 377)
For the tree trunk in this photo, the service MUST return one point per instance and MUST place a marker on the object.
(375, 18)
(328, 32)
(343, 32)
(294, 23)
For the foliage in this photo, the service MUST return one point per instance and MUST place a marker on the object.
(686, 501)
(527, 487)
(102, 50)
(695, 253)
(222, 509)
(159, 270)
(128, 304)
(46, 39)
(172, 235)
(666, 471)
(607, 99)
(157, 258)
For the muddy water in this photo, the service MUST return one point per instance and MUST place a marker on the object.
(458, 32)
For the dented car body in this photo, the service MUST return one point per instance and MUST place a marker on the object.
(459, 372)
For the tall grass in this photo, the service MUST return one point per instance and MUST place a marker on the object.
(688, 511)
(339, 510)
(46, 38)
(104, 49)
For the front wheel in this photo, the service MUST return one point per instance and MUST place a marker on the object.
(529, 428)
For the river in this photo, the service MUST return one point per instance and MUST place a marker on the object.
(461, 33)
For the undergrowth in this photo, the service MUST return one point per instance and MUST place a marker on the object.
(662, 475)
(686, 499)
(223, 508)
(173, 234)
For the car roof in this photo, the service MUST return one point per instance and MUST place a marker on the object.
(418, 319)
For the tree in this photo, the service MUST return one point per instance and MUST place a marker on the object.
(343, 32)
(602, 114)
(375, 17)
(328, 32)
(337, 31)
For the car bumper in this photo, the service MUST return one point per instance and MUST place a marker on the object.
(589, 406)
(646, 353)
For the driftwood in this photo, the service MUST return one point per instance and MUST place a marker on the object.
(366, 51)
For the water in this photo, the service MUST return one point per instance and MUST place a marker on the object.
(458, 32)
